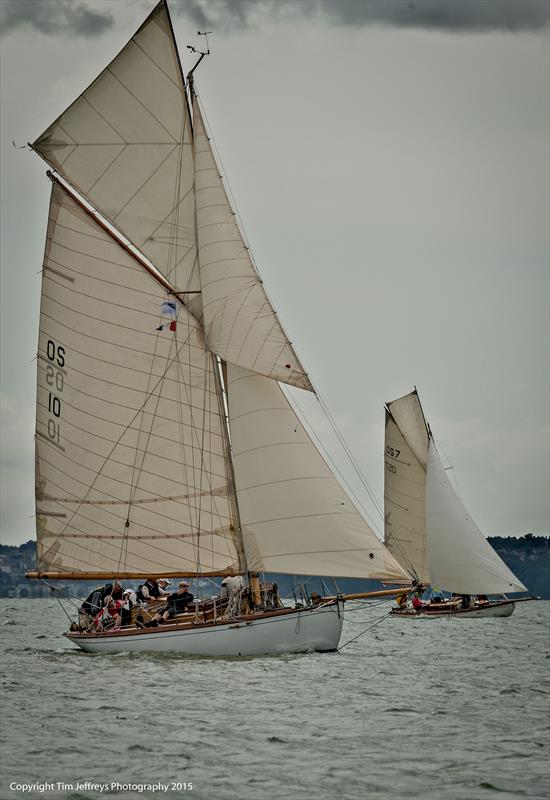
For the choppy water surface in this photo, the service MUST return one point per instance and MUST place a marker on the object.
(447, 709)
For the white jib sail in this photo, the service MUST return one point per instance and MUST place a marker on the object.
(240, 323)
(461, 559)
(126, 145)
(131, 465)
(295, 516)
(404, 503)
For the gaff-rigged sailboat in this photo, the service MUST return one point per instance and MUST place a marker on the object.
(427, 527)
(165, 445)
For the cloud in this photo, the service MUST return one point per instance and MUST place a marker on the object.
(83, 18)
(446, 15)
(53, 17)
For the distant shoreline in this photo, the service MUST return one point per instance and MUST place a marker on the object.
(527, 556)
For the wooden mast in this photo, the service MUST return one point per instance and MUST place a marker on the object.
(221, 385)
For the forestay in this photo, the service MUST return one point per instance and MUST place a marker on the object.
(126, 145)
(131, 451)
(240, 323)
(295, 516)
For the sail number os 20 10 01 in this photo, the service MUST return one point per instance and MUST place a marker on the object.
(55, 378)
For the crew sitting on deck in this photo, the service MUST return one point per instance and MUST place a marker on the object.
(402, 599)
(150, 590)
(162, 583)
(417, 603)
(95, 602)
(176, 604)
(482, 598)
(109, 616)
(129, 602)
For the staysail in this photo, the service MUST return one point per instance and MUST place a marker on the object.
(427, 528)
(132, 468)
(240, 323)
(126, 145)
(295, 516)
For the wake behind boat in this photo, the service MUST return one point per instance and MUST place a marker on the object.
(165, 445)
(430, 532)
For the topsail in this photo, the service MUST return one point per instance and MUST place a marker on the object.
(240, 323)
(126, 145)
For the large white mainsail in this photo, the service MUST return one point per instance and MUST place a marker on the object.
(240, 323)
(295, 516)
(126, 145)
(132, 470)
(427, 528)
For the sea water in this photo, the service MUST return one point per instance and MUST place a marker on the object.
(446, 709)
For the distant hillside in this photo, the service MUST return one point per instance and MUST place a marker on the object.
(527, 556)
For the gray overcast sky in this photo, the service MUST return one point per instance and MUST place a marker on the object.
(390, 162)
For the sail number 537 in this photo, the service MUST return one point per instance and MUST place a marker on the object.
(391, 451)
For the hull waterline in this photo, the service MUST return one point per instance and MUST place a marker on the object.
(289, 632)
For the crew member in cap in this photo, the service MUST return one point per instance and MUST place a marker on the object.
(129, 602)
(162, 583)
(148, 591)
(177, 602)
